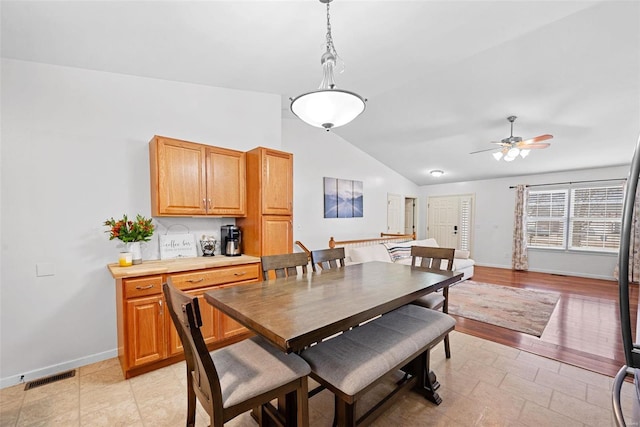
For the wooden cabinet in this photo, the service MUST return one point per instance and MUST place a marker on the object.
(190, 179)
(210, 323)
(145, 330)
(147, 338)
(226, 182)
(277, 234)
(277, 182)
(268, 226)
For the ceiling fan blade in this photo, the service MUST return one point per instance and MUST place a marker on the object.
(483, 151)
(539, 138)
(524, 146)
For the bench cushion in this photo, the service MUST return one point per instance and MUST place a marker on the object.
(352, 361)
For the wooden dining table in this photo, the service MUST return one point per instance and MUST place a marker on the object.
(294, 312)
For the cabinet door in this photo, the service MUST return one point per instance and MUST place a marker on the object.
(181, 178)
(209, 328)
(277, 183)
(277, 235)
(145, 330)
(226, 182)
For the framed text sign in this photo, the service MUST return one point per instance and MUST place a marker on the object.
(178, 246)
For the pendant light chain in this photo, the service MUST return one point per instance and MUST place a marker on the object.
(330, 47)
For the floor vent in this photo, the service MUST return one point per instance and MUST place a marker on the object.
(49, 380)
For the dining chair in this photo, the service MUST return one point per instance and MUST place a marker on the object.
(239, 377)
(432, 258)
(284, 265)
(327, 258)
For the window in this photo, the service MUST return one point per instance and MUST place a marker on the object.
(465, 224)
(596, 218)
(547, 219)
(577, 219)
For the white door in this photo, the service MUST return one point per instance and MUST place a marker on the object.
(449, 220)
(394, 214)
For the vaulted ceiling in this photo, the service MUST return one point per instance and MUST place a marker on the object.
(440, 76)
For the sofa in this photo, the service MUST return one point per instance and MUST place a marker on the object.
(400, 252)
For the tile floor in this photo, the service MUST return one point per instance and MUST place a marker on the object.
(483, 384)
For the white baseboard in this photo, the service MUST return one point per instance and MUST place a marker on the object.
(55, 369)
(557, 272)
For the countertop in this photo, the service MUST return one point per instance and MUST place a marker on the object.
(176, 265)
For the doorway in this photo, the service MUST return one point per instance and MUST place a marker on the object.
(410, 215)
(450, 220)
(402, 214)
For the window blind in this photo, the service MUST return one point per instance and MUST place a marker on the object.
(579, 219)
(547, 218)
(595, 220)
(465, 224)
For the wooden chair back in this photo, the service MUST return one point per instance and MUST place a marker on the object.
(432, 257)
(204, 379)
(284, 265)
(327, 258)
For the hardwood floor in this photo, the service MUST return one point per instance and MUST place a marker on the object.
(584, 329)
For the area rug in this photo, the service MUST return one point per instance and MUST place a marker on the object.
(522, 310)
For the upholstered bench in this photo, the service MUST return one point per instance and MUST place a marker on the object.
(354, 362)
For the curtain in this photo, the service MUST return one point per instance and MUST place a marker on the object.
(519, 258)
(634, 246)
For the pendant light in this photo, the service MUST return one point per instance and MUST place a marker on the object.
(328, 107)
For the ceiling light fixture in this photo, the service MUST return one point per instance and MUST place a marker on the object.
(436, 173)
(328, 107)
(509, 155)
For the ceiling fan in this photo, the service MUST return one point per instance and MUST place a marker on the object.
(515, 146)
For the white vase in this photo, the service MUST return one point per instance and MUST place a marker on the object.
(136, 252)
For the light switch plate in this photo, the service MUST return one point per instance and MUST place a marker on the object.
(45, 269)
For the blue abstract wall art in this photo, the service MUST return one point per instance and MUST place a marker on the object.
(343, 198)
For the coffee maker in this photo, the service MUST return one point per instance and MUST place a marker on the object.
(230, 240)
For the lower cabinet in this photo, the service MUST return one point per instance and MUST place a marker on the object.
(210, 323)
(145, 329)
(147, 339)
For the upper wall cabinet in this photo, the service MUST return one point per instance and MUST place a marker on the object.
(277, 181)
(195, 179)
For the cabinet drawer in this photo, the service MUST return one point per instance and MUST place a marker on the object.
(143, 286)
(216, 276)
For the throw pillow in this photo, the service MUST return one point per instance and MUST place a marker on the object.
(398, 252)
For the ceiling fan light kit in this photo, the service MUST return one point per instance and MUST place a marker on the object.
(514, 146)
(328, 107)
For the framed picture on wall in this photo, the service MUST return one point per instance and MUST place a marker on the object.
(343, 198)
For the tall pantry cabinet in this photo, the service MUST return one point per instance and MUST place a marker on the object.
(268, 227)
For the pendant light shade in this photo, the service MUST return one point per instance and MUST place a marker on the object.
(328, 107)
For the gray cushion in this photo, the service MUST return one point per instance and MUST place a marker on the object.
(355, 359)
(252, 367)
(433, 300)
